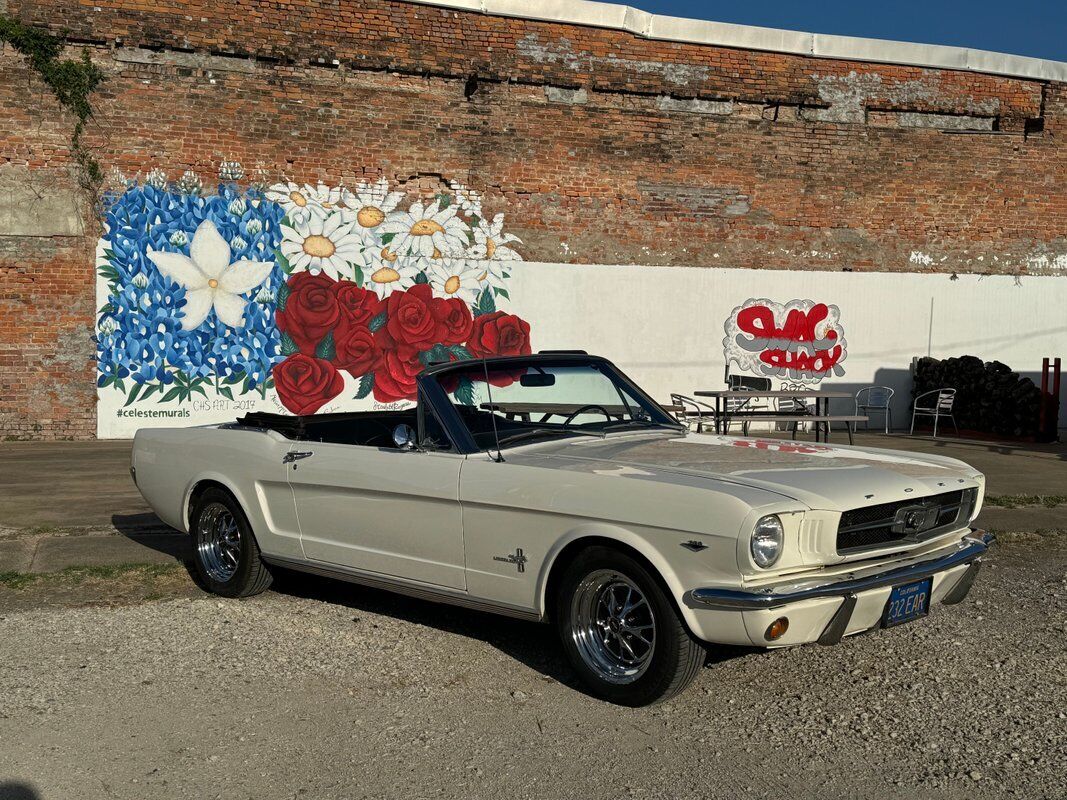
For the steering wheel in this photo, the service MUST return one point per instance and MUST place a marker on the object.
(582, 410)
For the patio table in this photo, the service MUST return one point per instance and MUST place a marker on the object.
(822, 417)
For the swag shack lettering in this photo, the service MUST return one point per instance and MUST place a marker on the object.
(800, 341)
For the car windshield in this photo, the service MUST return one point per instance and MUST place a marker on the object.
(527, 403)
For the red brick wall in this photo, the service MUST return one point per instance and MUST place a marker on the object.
(602, 147)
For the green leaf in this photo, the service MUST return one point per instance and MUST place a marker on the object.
(501, 292)
(461, 352)
(108, 272)
(421, 278)
(283, 296)
(136, 390)
(377, 323)
(465, 392)
(288, 348)
(388, 237)
(365, 385)
(226, 392)
(120, 385)
(445, 200)
(171, 394)
(326, 349)
(485, 304)
(283, 262)
(151, 390)
(435, 355)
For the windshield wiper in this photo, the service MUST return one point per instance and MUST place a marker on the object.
(644, 423)
(530, 434)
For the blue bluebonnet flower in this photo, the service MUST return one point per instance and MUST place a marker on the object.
(139, 333)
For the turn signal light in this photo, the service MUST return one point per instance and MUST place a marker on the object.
(777, 629)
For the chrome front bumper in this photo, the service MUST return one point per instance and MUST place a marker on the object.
(968, 551)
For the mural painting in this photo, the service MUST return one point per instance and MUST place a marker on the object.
(801, 341)
(294, 297)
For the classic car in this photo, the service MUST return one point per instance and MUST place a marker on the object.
(550, 487)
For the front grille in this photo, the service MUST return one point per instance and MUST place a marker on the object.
(874, 526)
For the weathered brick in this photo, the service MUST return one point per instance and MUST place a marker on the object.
(602, 147)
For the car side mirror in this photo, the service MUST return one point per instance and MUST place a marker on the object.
(404, 437)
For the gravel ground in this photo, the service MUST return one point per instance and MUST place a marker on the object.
(325, 690)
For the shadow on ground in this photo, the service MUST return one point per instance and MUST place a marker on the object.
(150, 531)
(533, 644)
(17, 790)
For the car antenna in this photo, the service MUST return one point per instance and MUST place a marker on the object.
(499, 457)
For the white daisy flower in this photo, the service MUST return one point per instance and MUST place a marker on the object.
(304, 201)
(469, 200)
(327, 244)
(370, 203)
(491, 244)
(429, 231)
(387, 275)
(210, 280)
(455, 277)
(290, 196)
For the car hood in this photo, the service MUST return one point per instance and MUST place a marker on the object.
(821, 476)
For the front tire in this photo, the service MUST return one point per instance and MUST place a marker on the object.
(621, 632)
(225, 554)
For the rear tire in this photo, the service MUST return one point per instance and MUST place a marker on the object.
(621, 632)
(225, 554)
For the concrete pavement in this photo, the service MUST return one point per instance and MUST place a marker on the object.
(66, 504)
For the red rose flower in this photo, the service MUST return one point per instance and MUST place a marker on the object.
(356, 349)
(357, 306)
(395, 377)
(305, 384)
(454, 318)
(499, 334)
(411, 318)
(310, 312)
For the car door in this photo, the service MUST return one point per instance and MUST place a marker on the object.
(380, 510)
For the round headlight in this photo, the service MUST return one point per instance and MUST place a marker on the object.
(767, 539)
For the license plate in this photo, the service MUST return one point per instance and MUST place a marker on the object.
(907, 602)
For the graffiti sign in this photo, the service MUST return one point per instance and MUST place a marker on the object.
(800, 341)
(298, 297)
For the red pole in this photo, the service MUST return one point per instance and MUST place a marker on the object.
(1043, 411)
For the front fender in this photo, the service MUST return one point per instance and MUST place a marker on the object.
(679, 567)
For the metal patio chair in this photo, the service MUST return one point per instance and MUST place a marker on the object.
(875, 398)
(694, 411)
(939, 407)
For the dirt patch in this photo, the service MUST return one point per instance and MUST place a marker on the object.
(79, 587)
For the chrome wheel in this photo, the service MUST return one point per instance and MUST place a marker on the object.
(613, 626)
(218, 542)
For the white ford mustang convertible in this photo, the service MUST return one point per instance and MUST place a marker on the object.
(551, 487)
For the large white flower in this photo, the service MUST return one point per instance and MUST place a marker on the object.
(370, 203)
(428, 231)
(300, 202)
(327, 244)
(209, 279)
(491, 243)
(387, 275)
(455, 277)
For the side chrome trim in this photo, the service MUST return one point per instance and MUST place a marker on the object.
(399, 586)
(967, 552)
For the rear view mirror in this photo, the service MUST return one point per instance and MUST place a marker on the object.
(537, 379)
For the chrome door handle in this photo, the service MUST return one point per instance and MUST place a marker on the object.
(289, 458)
